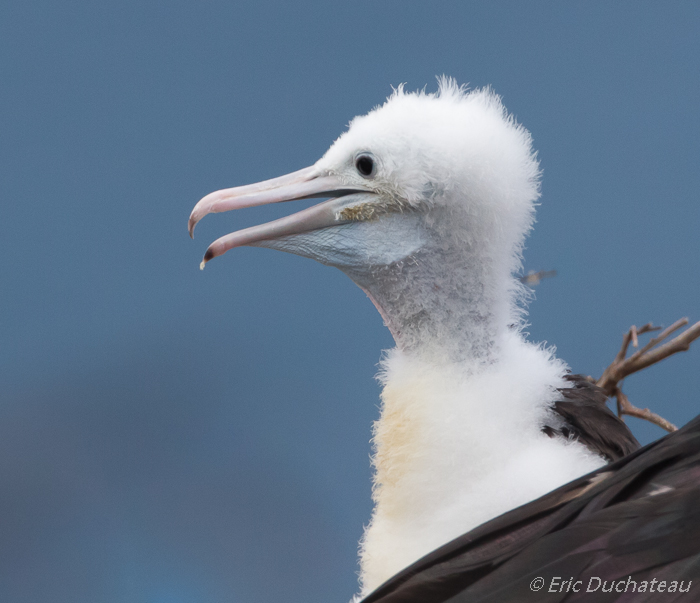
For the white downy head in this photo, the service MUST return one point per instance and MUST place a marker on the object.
(453, 180)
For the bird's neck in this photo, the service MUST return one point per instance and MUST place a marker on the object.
(452, 299)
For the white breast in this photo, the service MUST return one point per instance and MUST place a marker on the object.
(458, 445)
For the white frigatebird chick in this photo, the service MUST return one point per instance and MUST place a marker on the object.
(429, 200)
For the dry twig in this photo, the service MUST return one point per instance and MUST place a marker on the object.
(650, 354)
(533, 278)
(625, 407)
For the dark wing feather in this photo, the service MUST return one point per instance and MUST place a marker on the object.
(635, 520)
(584, 415)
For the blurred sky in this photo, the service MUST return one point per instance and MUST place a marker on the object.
(175, 436)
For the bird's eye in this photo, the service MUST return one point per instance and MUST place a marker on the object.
(366, 165)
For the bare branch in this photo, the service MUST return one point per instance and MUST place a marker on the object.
(625, 407)
(626, 338)
(651, 353)
(648, 327)
(633, 332)
(622, 367)
(681, 343)
(661, 336)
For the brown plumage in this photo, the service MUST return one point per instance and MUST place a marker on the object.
(586, 418)
(634, 521)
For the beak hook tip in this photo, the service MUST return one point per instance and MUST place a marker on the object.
(209, 255)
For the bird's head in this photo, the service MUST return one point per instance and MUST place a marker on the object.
(446, 181)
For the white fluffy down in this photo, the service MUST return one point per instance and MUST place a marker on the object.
(453, 451)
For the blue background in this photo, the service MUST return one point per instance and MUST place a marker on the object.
(169, 435)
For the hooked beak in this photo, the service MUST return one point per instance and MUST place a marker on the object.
(303, 184)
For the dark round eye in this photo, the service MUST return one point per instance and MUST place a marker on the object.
(365, 165)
